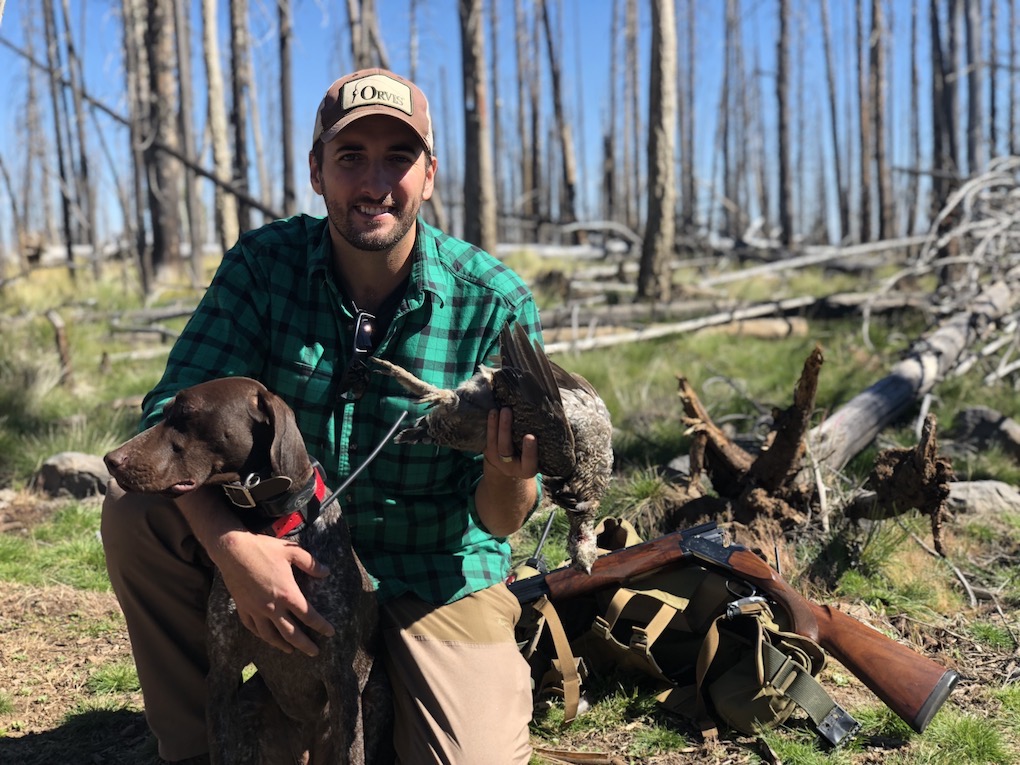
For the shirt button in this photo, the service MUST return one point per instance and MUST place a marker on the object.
(352, 448)
(349, 499)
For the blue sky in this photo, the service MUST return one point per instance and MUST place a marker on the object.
(321, 53)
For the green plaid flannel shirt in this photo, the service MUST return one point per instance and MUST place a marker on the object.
(273, 312)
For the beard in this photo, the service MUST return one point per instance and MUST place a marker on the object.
(370, 236)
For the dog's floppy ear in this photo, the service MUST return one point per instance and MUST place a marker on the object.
(287, 453)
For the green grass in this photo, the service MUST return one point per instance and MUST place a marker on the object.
(954, 738)
(737, 379)
(120, 677)
(65, 550)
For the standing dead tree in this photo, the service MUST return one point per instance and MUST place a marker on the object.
(631, 118)
(163, 173)
(136, 75)
(660, 227)
(783, 114)
(57, 103)
(479, 181)
(877, 89)
(526, 202)
(688, 214)
(240, 82)
(837, 165)
(367, 47)
(186, 127)
(286, 107)
(568, 200)
(864, 108)
(225, 204)
(86, 195)
(976, 156)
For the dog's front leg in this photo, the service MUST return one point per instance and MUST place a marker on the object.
(344, 735)
(230, 739)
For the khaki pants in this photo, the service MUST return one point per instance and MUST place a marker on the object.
(462, 689)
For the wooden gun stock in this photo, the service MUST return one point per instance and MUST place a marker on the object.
(911, 685)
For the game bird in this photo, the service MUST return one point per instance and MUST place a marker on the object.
(562, 409)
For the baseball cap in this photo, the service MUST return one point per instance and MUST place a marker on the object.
(372, 91)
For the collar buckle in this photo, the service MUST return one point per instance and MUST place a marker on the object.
(253, 490)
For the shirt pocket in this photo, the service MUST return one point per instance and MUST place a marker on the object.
(309, 391)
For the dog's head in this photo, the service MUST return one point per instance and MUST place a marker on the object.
(215, 432)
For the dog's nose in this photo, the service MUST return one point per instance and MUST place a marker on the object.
(114, 460)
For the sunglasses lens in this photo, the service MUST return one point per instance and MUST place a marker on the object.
(363, 332)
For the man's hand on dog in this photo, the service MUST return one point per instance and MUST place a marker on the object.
(258, 571)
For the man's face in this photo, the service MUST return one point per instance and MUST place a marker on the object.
(374, 177)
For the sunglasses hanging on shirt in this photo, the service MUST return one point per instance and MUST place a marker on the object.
(355, 377)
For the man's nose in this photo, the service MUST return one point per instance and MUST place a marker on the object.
(376, 179)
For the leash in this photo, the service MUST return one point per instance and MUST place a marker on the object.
(357, 471)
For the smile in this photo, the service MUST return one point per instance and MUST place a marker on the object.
(365, 210)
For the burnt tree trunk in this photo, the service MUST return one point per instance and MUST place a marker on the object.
(286, 107)
(660, 228)
(57, 103)
(162, 169)
(83, 183)
(976, 157)
(526, 191)
(687, 118)
(878, 87)
(837, 165)
(240, 82)
(225, 203)
(864, 107)
(783, 113)
(568, 200)
(186, 126)
(479, 183)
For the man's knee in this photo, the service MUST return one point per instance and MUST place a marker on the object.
(125, 519)
(138, 529)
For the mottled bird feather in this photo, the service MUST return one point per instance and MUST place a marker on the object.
(561, 409)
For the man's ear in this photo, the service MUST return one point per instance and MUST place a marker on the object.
(314, 173)
(430, 177)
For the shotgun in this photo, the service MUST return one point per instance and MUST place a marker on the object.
(911, 685)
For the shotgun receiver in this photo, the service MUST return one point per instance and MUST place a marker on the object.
(911, 685)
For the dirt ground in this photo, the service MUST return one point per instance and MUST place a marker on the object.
(53, 639)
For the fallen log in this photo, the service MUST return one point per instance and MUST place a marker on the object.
(779, 307)
(849, 429)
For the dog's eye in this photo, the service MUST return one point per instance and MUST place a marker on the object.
(177, 448)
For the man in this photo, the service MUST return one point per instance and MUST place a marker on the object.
(298, 304)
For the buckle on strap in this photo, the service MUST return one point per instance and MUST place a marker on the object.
(253, 490)
(838, 727)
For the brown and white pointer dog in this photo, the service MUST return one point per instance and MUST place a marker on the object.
(235, 433)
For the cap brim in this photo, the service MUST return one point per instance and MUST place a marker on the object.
(367, 111)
